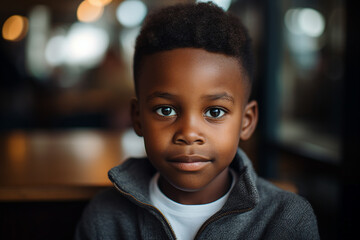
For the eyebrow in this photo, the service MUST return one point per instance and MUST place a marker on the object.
(220, 96)
(211, 97)
(157, 94)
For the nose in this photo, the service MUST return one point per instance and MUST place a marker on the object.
(189, 132)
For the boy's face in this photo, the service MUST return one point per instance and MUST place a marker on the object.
(192, 110)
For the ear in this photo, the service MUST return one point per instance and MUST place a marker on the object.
(135, 116)
(250, 120)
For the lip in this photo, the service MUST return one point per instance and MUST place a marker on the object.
(189, 163)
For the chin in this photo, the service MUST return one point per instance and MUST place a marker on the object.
(188, 187)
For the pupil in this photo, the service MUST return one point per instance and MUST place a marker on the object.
(215, 112)
(166, 111)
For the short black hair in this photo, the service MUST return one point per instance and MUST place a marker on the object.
(197, 25)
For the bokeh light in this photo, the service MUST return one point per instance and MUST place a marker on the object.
(131, 13)
(55, 50)
(224, 4)
(88, 12)
(311, 22)
(292, 21)
(15, 28)
(305, 21)
(127, 39)
(132, 145)
(99, 3)
(90, 141)
(85, 44)
(17, 146)
(39, 26)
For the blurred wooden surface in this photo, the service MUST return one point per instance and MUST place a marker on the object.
(64, 165)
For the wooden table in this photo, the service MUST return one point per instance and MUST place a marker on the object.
(63, 165)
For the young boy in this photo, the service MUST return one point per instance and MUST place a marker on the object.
(193, 71)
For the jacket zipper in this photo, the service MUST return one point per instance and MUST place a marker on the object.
(150, 206)
(214, 218)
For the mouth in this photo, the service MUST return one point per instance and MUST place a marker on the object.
(189, 163)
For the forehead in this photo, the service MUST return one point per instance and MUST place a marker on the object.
(191, 70)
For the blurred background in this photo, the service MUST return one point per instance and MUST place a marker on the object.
(66, 82)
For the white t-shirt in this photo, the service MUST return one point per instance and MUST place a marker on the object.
(185, 220)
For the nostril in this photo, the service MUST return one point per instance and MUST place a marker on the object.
(189, 140)
(181, 141)
(188, 133)
(199, 141)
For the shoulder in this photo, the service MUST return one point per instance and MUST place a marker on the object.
(287, 212)
(271, 195)
(108, 202)
(107, 214)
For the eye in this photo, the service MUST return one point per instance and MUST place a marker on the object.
(215, 113)
(166, 111)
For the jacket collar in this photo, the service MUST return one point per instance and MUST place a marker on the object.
(133, 176)
(244, 196)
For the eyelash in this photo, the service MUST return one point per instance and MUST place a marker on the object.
(158, 110)
(222, 112)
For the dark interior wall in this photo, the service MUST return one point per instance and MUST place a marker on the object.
(39, 220)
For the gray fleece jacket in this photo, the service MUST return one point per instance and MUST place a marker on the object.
(255, 209)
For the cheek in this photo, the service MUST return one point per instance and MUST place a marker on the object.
(229, 132)
(156, 139)
(228, 140)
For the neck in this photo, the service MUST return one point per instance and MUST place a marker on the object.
(210, 193)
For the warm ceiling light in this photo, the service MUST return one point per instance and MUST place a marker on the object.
(15, 28)
(99, 3)
(87, 12)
